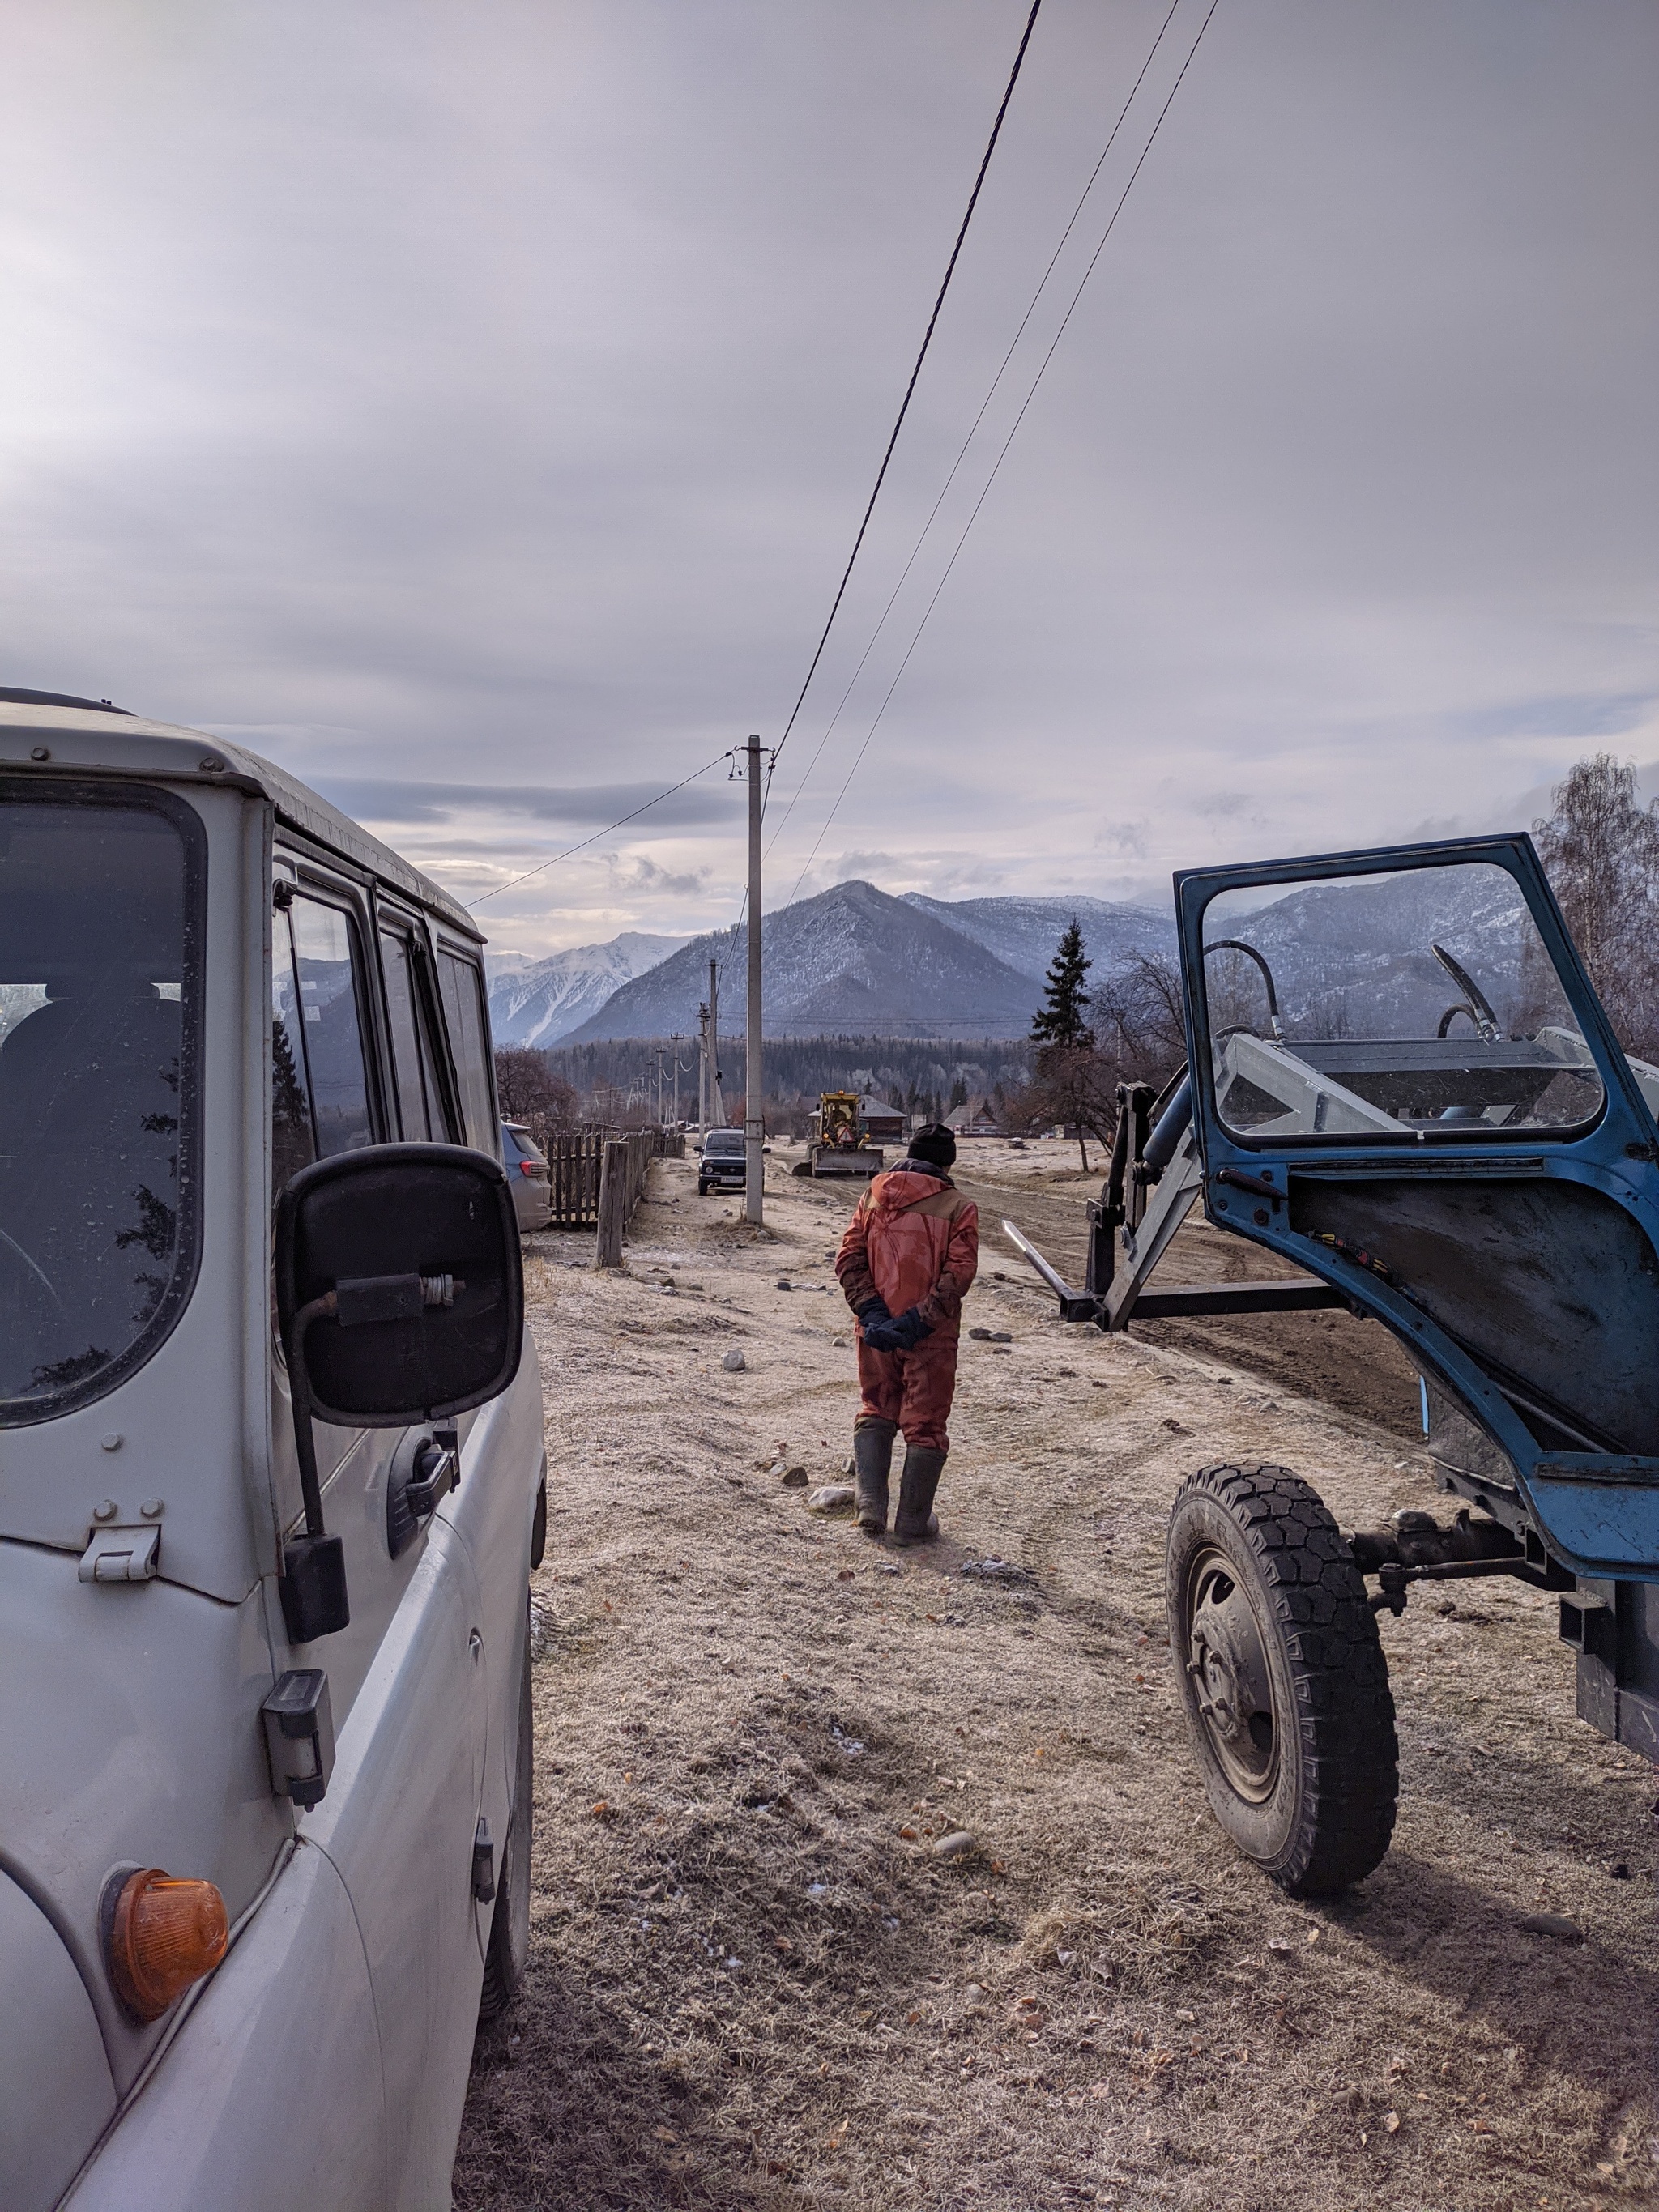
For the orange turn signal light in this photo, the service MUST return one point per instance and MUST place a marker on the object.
(165, 1935)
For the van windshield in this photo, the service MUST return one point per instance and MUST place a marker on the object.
(99, 895)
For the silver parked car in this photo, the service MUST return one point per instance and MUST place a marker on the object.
(529, 1174)
(272, 1480)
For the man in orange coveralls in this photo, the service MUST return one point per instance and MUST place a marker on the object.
(905, 1264)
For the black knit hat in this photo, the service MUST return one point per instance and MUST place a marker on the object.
(935, 1144)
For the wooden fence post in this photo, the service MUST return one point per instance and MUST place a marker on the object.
(613, 1203)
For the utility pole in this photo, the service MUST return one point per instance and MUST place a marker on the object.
(703, 1065)
(677, 1042)
(754, 1124)
(716, 1097)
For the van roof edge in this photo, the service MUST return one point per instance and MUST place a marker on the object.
(14, 696)
(205, 758)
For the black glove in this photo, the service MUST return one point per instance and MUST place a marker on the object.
(872, 1313)
(903, 1334)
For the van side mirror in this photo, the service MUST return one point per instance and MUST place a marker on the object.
(400, 1295)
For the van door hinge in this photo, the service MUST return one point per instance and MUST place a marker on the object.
(118, 1554)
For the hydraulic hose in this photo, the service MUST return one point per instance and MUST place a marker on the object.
(1237, 944)
(1172, 1126)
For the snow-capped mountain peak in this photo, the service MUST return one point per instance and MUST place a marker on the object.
(537, 1002)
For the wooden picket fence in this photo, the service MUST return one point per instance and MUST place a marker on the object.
(576, 1161)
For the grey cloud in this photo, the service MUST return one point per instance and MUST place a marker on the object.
(1587, 716)
(1126, 838)
(638, 872)
(385, 800)
(483, 399)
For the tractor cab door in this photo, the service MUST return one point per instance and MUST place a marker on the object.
(1403, 1082)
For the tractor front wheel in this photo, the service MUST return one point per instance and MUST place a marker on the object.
(1283, 1676)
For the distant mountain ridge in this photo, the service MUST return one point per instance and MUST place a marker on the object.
(1025, 931)
(853, 961)
(857, 961)
(540, 1002)
(1360, 951)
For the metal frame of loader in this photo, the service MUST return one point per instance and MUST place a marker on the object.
(1557, 1489)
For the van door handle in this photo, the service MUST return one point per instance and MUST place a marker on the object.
(437, 1470)
(434, 1469)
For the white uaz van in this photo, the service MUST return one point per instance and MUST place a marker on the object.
(272, 1482)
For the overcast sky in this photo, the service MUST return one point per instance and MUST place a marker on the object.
(470, 405)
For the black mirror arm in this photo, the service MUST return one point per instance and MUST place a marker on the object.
(299, 1384)
(314, 1584)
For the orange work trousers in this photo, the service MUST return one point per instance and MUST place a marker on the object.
(913, 1387)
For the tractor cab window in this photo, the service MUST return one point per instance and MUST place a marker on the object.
(1419, 1000)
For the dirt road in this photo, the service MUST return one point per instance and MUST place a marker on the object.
(755, 1987)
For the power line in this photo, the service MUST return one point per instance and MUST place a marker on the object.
(904, 405)
(1003, 454)
(927, 340)
(973, 427)
(598, 834)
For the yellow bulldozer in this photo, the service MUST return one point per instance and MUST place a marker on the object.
(838, 1144)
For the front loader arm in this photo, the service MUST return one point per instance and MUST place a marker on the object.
(1155, 1178)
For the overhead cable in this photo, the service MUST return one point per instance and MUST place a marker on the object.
(904, 404)
(1003, 454)
(973, 427)
(621, 822)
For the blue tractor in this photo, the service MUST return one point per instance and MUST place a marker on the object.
(1401, 1080)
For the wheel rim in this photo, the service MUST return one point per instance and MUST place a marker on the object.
(1230, 1682)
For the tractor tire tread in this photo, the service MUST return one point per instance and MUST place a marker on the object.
(1345, 1716)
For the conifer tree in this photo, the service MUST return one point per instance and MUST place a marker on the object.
(1062, 1017)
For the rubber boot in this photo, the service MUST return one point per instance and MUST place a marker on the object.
(872, 1461)
(915, 1521)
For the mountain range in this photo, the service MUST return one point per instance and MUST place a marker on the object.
(1023, 932)
(1355, 957)
(855, 961)
(537, 1002)
(1349, 957)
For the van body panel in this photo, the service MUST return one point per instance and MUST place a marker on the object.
(56, 2092)
(491, 1512)
(355, 1507)
(406, 1791)
(326, 2059)
(270, 2096)
(133, 1737)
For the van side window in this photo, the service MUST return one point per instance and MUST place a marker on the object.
(420, 1101)
(293, 1147)
(319, 1078)
(463, 996)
